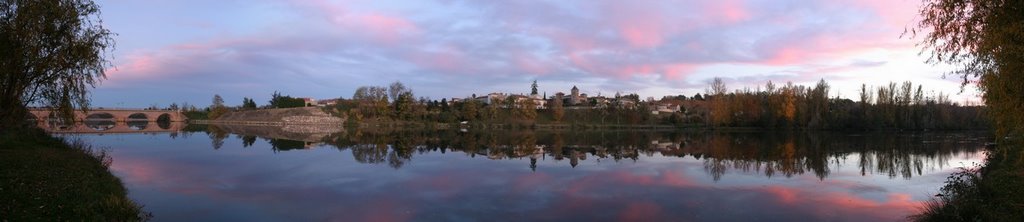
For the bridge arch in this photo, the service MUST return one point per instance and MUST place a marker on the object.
(101, 125)
(100, 116)
(165, 117)
(137, 117)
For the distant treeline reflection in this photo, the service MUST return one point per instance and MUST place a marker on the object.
(768, 153)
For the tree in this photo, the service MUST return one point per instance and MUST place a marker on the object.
(404, 105)
(818, 99)
(982, 39)
(526, 109)
(279, 101)
(217, 109)
(533, 88)
(720, 113)
(470, 109)
(718, 87)
(51, 54)
(397, 89)
(372, 100)
(557, 111)
(248, 104)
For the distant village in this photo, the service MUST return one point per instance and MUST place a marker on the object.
(575, 100)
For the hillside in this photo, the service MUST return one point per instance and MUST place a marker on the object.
(304, 115)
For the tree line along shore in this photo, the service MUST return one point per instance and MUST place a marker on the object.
(894, 106)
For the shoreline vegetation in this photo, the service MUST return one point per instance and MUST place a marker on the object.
(47, 178)
(891, 107)
(981, 42)
(990, 192)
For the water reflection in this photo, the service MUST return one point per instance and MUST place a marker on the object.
(137, 125)
(100, 125)
(318, 174)
(107, 126)
(769, 154)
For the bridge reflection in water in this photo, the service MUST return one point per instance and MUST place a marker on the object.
(111, 127)
(110, 120)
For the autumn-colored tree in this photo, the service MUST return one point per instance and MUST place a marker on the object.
(787, 107)
(557, 111)
(720, 113)
(526, 109)
(217, 108)
(470, 110)
(372, 101)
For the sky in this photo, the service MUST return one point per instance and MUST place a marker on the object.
(185, 51)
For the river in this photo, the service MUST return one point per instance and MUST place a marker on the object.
(234, 173)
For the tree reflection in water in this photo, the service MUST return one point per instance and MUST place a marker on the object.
(770, 154)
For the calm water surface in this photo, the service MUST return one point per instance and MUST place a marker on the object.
(230, 173)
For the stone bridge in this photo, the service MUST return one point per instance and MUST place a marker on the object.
(112, 114)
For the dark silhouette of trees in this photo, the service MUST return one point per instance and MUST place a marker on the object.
(248, 104)
(533, 88)
(282, 101)
(893, 106)
(51, 53)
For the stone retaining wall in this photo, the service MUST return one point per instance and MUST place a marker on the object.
(277, 117)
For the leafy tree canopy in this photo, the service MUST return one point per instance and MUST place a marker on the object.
(51, 54)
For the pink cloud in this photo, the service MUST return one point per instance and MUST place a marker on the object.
(381, 27)
(447, 59)
(642, 35)
(137, 66)
(375, 26)
(730, 11)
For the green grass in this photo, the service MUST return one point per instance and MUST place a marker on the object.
(994, 192)
(43, 178)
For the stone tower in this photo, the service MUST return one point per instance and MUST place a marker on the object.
(574, 98)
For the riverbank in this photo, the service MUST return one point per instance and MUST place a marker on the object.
(276, 117)
(44, 178)
(993, 192)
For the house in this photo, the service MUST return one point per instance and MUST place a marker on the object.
(491, 98)
(326, 102)
(540, 103)
(520, 99)
(599, 102)
(666, 106)
(309, 101)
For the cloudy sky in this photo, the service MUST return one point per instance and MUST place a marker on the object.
(174, 51)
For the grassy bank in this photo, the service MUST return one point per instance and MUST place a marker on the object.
(993, 192)
(43, 178)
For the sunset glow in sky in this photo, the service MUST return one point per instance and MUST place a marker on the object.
(187, 50)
